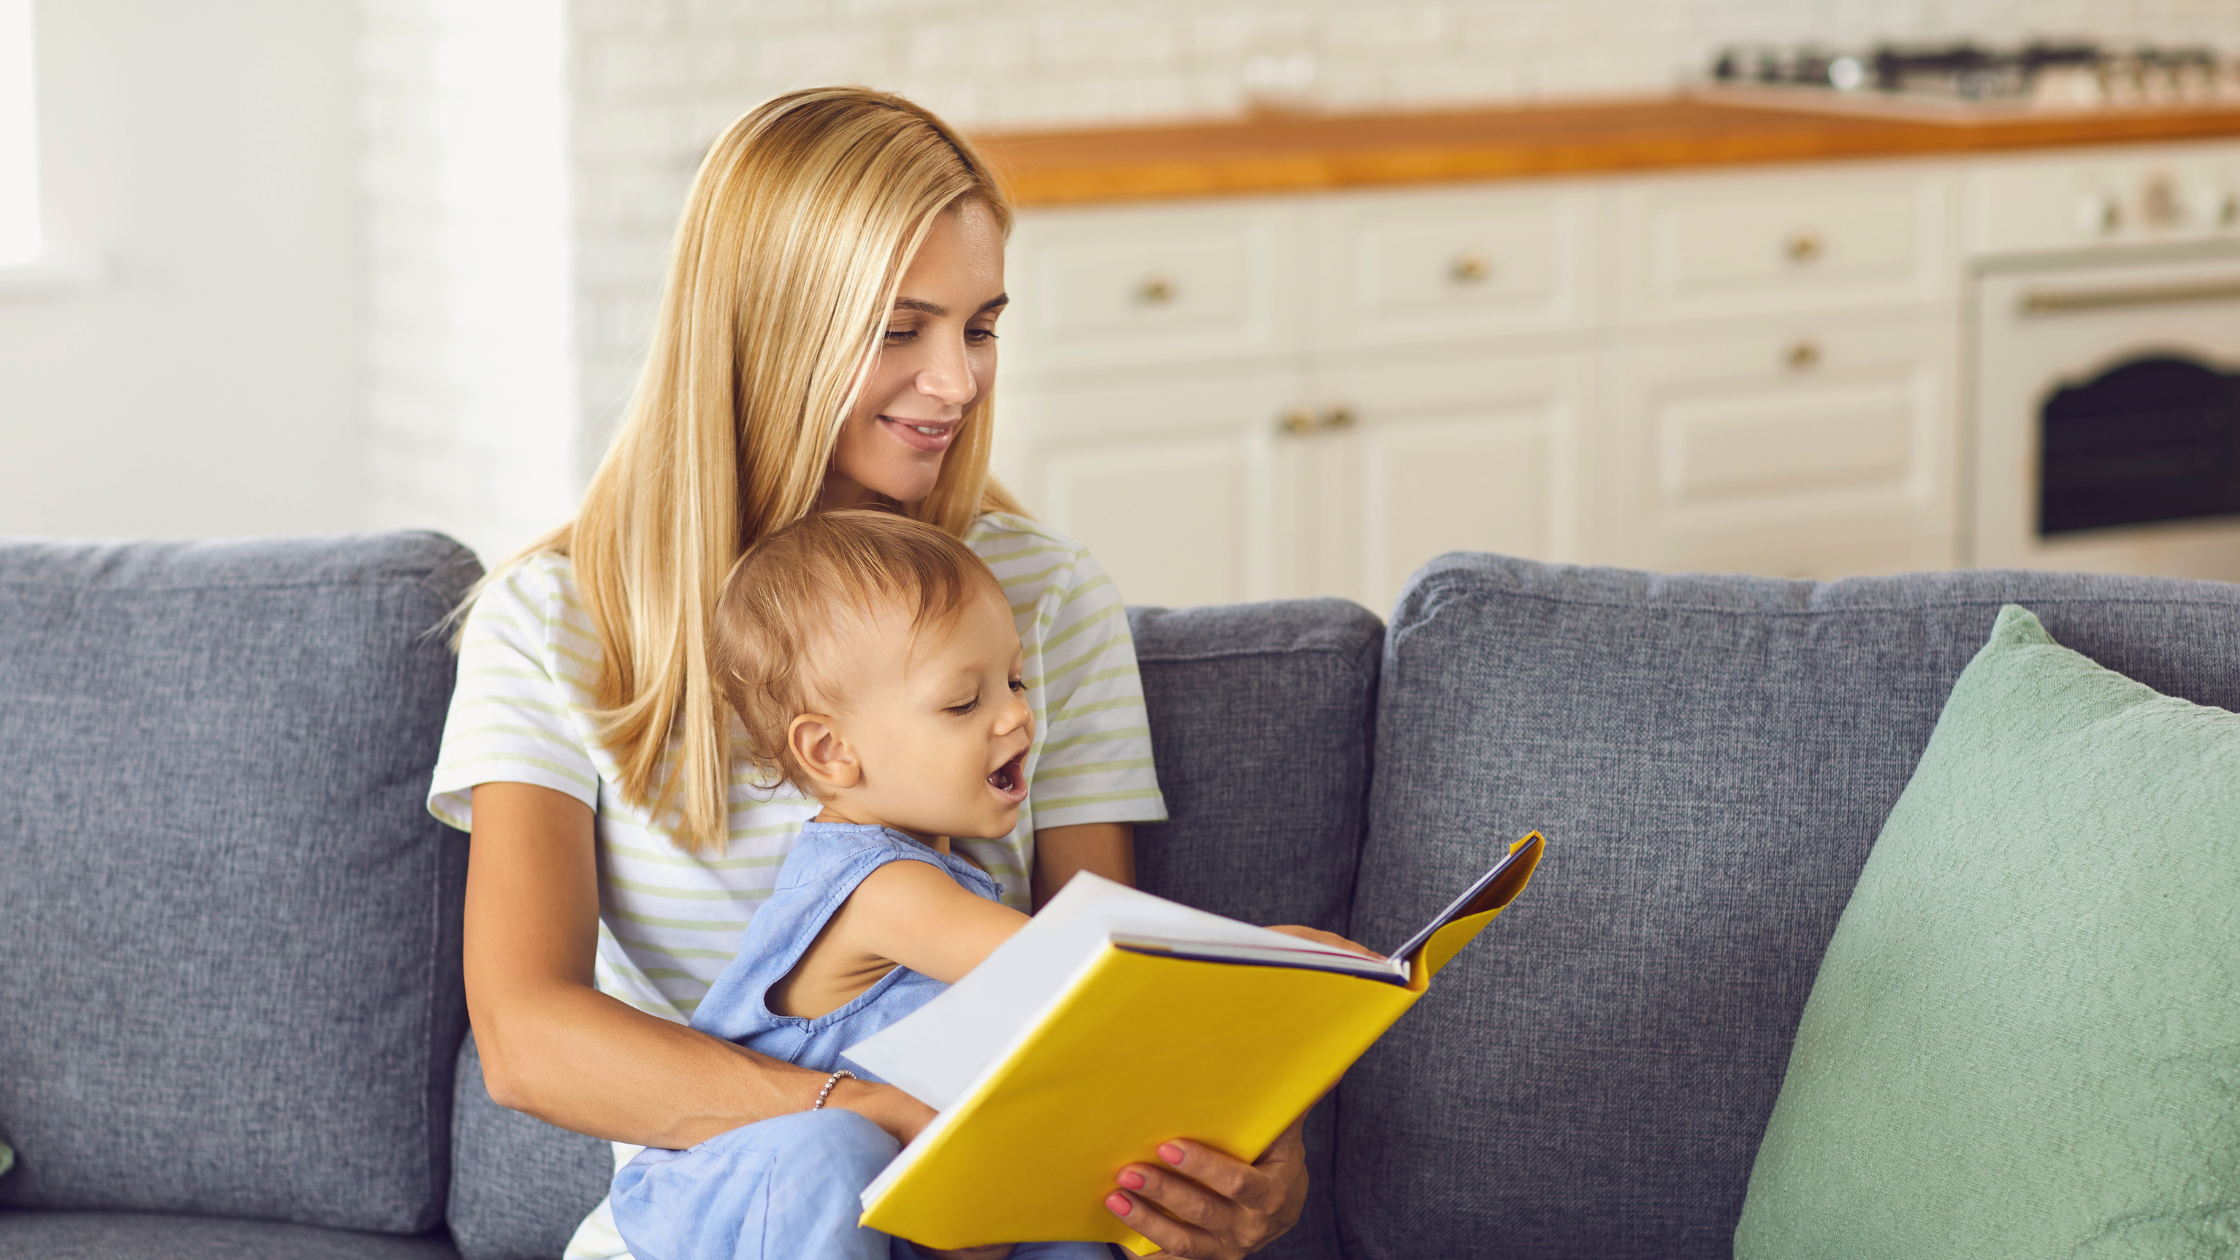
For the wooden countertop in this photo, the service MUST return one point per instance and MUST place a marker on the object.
(1280, 153)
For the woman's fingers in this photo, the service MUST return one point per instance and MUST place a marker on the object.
(1173, 1237)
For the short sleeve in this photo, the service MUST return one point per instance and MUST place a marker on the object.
(1096, 746)
(524, 664)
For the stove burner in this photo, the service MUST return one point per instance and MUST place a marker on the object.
(2063, 74)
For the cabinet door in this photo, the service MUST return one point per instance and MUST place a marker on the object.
(1422, 267)
(1714, 246)
(1466, 452)
(1181, 490)
(1805, 453)
(1112, 289)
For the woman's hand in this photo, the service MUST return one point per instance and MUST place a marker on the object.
(1203, 1205)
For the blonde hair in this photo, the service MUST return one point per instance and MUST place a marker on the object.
(798, 590)
(800, 223)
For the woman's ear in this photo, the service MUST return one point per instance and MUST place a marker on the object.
(823, 754)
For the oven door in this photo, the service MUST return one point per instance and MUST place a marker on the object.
(2105, 430)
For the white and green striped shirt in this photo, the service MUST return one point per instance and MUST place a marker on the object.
(670, 921)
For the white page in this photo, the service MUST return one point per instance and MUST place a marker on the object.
(937, 1052)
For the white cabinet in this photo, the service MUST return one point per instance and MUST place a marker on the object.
(1791, 449)
(1276, 397)
(1473, 451)
(1186, 493)
(1711, 247)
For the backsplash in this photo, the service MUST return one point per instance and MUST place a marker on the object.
(631, 91)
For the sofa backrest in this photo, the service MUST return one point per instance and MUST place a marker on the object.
(1710, 760)
(231, 940)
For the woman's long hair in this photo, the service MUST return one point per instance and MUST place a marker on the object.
(800, 223)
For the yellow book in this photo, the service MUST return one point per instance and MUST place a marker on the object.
(1116, 1021)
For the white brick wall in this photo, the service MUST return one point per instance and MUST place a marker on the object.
(649, 82)
(470, 368)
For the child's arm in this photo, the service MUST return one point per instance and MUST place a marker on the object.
(915, 915)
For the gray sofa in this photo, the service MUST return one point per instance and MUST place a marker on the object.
(230, 1014)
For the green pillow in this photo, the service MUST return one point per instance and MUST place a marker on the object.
(2025, 1037)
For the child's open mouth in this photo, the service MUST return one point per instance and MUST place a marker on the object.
(1010, 778)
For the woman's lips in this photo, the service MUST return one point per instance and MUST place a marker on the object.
(915, 433)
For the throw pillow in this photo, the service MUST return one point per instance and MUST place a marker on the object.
(2025, 1035)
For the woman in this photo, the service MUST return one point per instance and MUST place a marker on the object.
(826, 340)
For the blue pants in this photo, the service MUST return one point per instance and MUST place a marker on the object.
(785, 1189)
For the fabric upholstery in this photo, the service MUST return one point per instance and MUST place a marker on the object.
(2022, 1041)
(1710, 759)
(1260, 731)
(519, 1186)
(149, 1236)
(232, 936)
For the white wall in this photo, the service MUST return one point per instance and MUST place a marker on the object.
(209, 385)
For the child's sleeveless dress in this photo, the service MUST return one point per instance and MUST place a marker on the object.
(788, 1188)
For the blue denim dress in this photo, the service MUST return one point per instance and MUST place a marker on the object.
(790, 1186)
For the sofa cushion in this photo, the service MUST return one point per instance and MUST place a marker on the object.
(1710, 759)
(232, 936)
(149, 1236)
(1260, 731)
(519, 1186)
(2022, 1041)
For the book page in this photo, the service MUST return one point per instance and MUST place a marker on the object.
(936, 1052)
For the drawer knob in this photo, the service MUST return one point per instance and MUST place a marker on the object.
(1156, 289)
(1803, 355)
(1804, 247)
(1471, 266)
(1304, 420)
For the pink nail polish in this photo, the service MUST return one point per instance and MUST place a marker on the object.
(1119, 1204)
(1131, 1180)
(1171, 1153)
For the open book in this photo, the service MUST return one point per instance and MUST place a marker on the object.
(1114, 1021)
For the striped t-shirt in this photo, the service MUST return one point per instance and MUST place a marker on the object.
(670, 921)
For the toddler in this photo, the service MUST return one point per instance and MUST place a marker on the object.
(872, 660)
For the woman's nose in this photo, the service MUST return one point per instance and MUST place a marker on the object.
(948, 379)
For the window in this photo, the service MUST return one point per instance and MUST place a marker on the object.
(19, 149)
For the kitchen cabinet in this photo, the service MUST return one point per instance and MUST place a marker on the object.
(1312, 395)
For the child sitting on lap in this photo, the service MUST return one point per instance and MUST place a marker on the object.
(872, 660)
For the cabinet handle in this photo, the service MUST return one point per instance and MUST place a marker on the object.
(1804, 247)
(1802, 355)
(1305, 420)
(1471, 266)
(1156, 289)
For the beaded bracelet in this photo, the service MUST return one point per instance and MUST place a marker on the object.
(829, 1082)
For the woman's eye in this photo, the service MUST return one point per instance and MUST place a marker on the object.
(901, 336)
(980, 336)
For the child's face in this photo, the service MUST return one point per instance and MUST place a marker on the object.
(938, 724)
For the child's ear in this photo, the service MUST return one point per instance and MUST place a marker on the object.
(823, 755)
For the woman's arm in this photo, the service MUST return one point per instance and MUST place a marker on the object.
(557, 1048)
(1109, 849)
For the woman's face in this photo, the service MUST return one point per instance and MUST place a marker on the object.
(938, 357)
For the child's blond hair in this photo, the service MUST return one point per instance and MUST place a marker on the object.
(793, 593)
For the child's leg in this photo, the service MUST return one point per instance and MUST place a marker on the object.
(783, 1188)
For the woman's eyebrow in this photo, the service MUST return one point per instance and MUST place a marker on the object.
(937, 310)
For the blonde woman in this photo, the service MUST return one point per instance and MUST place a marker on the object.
(826, 340)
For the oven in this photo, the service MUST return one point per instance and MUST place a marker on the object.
(2104, 430)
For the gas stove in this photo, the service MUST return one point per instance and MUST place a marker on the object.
(1963, 81)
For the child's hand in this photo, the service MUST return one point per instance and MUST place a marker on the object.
(1320, 937)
